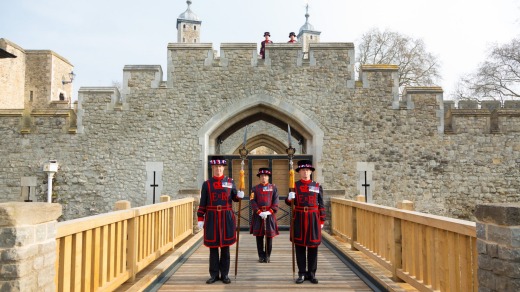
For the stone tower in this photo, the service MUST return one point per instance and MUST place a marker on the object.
(188, 26)
(307, 34)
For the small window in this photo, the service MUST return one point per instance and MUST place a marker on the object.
(195, 40)
(31, 96)
(62, 96)
(194, 27)
(183, 40)
(184, 26)
(311, 37)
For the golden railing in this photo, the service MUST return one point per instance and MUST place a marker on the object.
(99, 253)
(429, 252)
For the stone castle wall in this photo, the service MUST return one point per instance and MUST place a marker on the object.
(12, 77)
(445, 160)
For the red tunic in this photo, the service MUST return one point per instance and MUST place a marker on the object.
(265, 199)
(309, 213)
(215, 208)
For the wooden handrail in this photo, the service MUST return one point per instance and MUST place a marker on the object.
(427, 251)
(103, 251)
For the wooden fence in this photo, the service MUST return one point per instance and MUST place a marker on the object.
(429, 252)
(101, 252)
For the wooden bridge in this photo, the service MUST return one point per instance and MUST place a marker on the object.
(370, 247)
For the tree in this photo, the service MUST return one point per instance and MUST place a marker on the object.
(497, 78)
(417, 67)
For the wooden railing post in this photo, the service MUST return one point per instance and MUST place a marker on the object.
(406, 205)
(396, 249)
(354, 228)
(164, 198)
(122, 205)
(174, 221)
(133, 233)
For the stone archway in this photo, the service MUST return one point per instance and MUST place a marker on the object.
(263, 105)
(266, 141)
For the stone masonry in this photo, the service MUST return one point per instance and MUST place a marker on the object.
(28, 246)
(445, 159)
(498, 245)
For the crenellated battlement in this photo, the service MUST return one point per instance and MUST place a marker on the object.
(491, 117)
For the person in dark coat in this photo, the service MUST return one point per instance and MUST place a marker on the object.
(309, 217)
(216, 216)
(264, 42)
(292, 38)
(264, 203)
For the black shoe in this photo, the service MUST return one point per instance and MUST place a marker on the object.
(226, 280)
(314, 280)
(211, 280)
(300, 279)
(267, 259)
(261, 260)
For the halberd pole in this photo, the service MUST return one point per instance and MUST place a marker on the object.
(243, 154)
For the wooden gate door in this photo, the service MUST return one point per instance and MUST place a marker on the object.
(279, 165)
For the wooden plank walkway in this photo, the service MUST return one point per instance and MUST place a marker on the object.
(277, 275)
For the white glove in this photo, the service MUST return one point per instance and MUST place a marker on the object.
(263, 215)
(240, 194)
(201, 224)
(322, 226)
(291, 196)
(267, 213)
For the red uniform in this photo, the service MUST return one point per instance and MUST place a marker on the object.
(265, 199)
(216, 199)
(309, 213)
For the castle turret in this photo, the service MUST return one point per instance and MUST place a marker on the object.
(188, 26)
(307, 34)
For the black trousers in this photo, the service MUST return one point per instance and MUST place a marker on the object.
(260, 246)
(219, 264)
(307, 260)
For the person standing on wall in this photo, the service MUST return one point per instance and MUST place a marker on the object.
(292, 38)
(264, 42)
(264, 203)
(309, 217)
(216, 216)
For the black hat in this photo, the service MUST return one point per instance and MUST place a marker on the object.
(217, 160)
(267, 33)
(264, 170)
(292, 33)
(304, 164)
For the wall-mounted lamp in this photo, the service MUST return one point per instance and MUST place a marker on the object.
(71, 77)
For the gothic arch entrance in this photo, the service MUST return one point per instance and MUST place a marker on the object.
(223, 133)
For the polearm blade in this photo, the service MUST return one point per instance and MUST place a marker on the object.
(289, 135)
(245, 138)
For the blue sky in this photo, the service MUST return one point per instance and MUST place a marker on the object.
(100, 37)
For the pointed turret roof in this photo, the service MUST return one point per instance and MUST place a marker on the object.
(188, 15)
(307, 25)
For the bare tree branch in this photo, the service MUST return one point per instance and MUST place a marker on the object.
(416, 66)
(497, 78)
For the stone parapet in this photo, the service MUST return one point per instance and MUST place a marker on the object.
(498, 246)
(28, 246)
